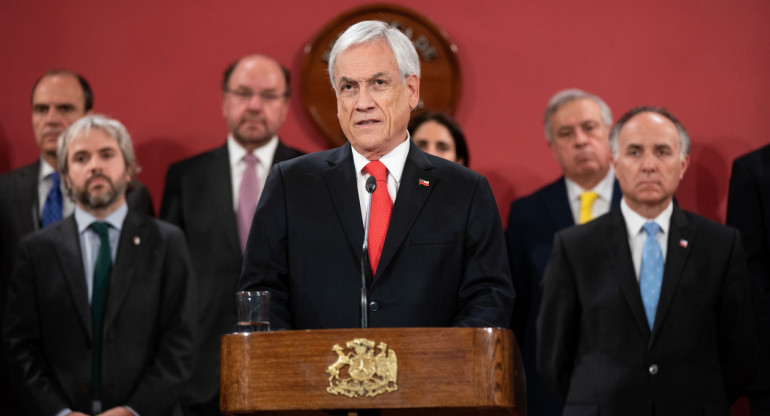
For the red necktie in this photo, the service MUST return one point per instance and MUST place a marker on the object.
(380, 212)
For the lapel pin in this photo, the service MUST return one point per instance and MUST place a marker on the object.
(683, 243)
(423, 182)
(137, 240)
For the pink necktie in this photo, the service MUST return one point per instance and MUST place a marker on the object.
(380, 215)
(248, 195)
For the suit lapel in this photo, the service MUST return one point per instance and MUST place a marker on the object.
(26, 187)
(67, 246)
(409, 201)
(340, 180)
(556, 204)
(676, 258)
(134, 244)
(617, 194)
(219, 181)
(616, 239)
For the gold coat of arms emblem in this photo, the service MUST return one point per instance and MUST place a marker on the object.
(366, 371)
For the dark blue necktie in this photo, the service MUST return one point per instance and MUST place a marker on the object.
(53, 202)
(651, 273)
(102, 271)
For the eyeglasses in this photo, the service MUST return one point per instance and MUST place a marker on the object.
(266, 96)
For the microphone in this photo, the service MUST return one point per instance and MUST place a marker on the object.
(371, 185)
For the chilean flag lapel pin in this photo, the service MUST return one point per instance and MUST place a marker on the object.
(423, 182)
(683, 243)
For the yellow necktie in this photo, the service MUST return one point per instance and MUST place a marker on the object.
(587, 199)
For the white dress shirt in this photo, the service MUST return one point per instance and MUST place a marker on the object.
(394, 161)
(238, 165)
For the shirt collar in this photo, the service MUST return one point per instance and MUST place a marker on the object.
(603, 188)
(394, 160)
(115, 219)
(45, 169)
(264, 153)
(634, 221)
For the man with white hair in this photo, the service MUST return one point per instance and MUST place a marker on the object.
(436, 254)
(100, 305)
(577, 128)
(647, 310)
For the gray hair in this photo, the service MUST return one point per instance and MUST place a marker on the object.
(684, 138)
(373, 30)
(566, 96)
(111, 127)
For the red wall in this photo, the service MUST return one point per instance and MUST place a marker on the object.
(156, 66)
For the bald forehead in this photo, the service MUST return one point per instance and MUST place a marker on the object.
(650, 120)
(59, 87)
(258, 67)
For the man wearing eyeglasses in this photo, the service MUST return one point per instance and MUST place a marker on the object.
(213, 196)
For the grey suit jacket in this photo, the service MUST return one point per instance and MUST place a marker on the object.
(198, 198)
(148, 341)
(595, 348)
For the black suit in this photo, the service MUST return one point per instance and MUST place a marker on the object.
(748, 209)
(148, 320)
(443, 262)
(199, 199)
(595, 348)
(20, 215)
(532, 223)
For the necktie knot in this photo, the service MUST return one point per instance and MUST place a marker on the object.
(101, 228)
(250, 159)
(378, 170)
(55, 179)
(651, 228)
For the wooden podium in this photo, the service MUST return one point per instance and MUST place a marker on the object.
(440, 371)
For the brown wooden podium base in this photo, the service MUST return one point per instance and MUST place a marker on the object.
(441, 371)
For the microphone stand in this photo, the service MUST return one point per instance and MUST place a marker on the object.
(371, 185)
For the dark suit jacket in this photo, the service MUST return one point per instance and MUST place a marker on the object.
(198, 198)
(532, 223)
(148, 326)
(19, 216)
(748, 209)
(443, 262)
(595, 348)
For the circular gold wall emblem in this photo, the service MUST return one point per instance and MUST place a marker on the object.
(439, 84)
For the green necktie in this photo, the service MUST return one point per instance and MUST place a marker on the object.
(102, 271)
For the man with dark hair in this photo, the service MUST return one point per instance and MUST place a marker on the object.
(213, 196)
(577, 126)
(748, 210)
(647, 310)
(101, 304)
(32, 196)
